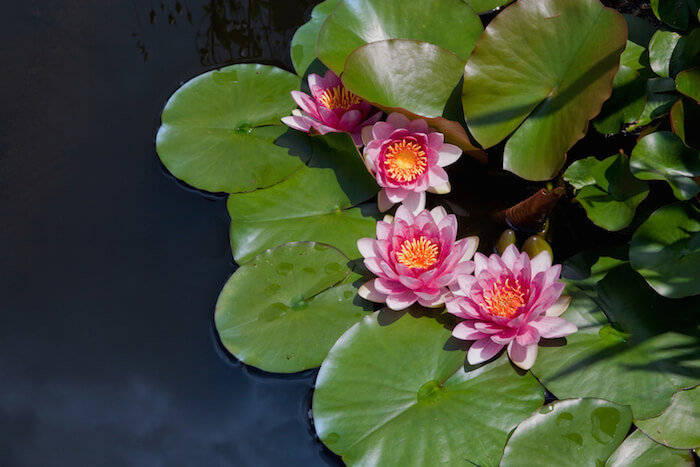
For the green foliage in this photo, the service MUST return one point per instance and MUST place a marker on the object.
(219, 129)
(482, 6)
(450, 24)
(688, 83)
(303, 47)
(639, 451)
(685, 119)
(587, 430)
(679, 425)
(665, 250)
(304, 300)
(394, 391)
(607, 190)
(516, 82)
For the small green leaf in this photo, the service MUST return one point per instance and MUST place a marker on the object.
(517, 82)
(416, 76)
(665, 250)
(303, 47)
(393, 390)
(688, 83)
(675, 13)
(587, 430)
(219, 129)
(450, 24)
(661, 50)
(638, 450)
(679, 425)
(626, 103)
(663, 156)
(660, 99)
(316, 203)
(632, 347)
(282, 311)
(607, 190)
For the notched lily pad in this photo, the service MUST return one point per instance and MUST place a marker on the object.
(517, 82)
(450, 24)
(282, 311)
(319, 202)
(679, 425)
(219, 129)
(394, 391)
(607, 190)
(665, 250)
(587, 430)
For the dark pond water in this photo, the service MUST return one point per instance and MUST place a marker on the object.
(109, 270)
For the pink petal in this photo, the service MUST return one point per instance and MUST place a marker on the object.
(401, 301)
(382, 130)
(417, 126)
(540, 263)
(522, 356)
(559, 306)
(298, 123)
(552, 327)
(528, 336)
(436, 139)
(436, 301)
(369, 292)
(389, 286)
(366, 134)
(306, 103)
(465, 331)
(404, 214)
(415, 201)
(398, 120)
(482, 350)
(374, 118)
(350, 120)
(383, 201)
(480, 264)
(438, 213)
(383, 230)
(510, 256)
(438, 176)
(366, 247)
(449, 154)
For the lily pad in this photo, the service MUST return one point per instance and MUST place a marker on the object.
(675, 13)
(607, 190)
(636, 54)
(688, 83)
(626, 103)
(484, 6)
(639, 451)
(282, 311)
(303, 47)
(685, 119)
(587, 430)
(663, 156)
(219, 129)
(393, 390)
(412, 75)
(633, 347)
(661, 49)
(665, 250)
(679, 425)
(517, 82)
(316, 203)
(660, 99)
(450, 24)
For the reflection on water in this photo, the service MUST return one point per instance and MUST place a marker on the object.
(227, 31)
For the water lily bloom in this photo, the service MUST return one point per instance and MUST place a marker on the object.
(331, 108)
(510, 301)
(407, 159)
(415, 258)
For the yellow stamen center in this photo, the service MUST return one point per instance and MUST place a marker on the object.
(405, 161)
(338, 98)
(419, 253)
(505, 299)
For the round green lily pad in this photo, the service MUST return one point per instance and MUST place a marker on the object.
(541, 70)
(319, 203)
(663, 156)
(665, 250)
(450, 24)
(688, 83)
(638, 450)
(282, 311)
(394, 391)
(584, 430)
(219, 129)
(679, 425)
(633, 347)
(412, 75)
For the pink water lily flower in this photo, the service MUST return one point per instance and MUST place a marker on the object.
(331, 108)
(510, 301)
(407, 159)
(415, 258)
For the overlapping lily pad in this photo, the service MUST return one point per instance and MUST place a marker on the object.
(284, 309)
(663, 156)
(517, 82)
(607, 190)
(660, 99)
(685, 119)
(303, 47)
(688, 83)
(679, 425)
(665, 250)
(639, 450)
(675, 13)
(316, 203)
(412, 75)
(394, 391)
(450, 24)
(584, 430)
(661, 50)
(219, 129)
(633, 347)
